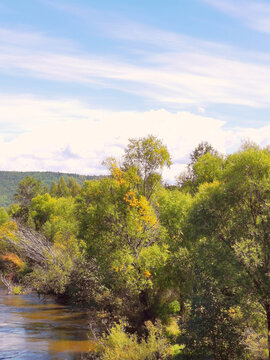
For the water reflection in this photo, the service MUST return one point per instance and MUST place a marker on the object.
(39, 329)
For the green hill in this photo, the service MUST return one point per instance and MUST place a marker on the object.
(9, 181)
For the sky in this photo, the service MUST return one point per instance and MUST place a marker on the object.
(79, 78)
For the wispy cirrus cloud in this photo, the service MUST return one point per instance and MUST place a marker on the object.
(30, 39)
(160, 66)
(254, 14)
(180, 74)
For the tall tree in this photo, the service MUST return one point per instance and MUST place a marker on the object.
(63, 189)
(28, 188)
(236, 213)
(74, 187)
(201, 149)
(122, 231)
(54, 189)
(204, 166)
(149, 156)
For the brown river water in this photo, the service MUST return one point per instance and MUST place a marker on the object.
(33, 328)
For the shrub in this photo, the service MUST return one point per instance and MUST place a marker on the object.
(17, 290)
(119, 345)
(53, 277)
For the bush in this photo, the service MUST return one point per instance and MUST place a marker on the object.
(17, 290)
(53, 277)
(119, 345)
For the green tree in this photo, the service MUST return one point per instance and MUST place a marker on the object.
(215, 327)
(208, 168)
(74, 187)
(28, 188)
(4, 230)
(205, 166)
(118, 225)
(63, 189)
(148, 155)
(54, 189)
(122, 232)
(172, 208)
(3, 216)
(236, 214)
(201, 149)
(54, 217)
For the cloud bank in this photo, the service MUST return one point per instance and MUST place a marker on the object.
(69, 136)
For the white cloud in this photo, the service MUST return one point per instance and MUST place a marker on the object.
(26, 39)
(201, 110)
(254, 14)
(181, 74)
(69, 136)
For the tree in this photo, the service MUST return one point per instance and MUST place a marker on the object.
(118, 225)
(236, 213)
(74, 187)
(201, 149)
(208, 168)
(205, 166)
(148, 155)
(54, 189)
(63, 189)
(121, 230)
(54, 217)
(3, 216)
(172, 209)
(28, 188)
(214, 330)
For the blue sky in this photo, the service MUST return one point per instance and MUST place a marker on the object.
(78, 78)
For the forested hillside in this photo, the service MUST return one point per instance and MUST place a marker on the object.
(9, 181)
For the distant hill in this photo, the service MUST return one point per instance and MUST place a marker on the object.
(9, 181)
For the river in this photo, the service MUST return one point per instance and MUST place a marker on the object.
(33, 328)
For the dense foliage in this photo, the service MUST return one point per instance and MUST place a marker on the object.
(169, 272)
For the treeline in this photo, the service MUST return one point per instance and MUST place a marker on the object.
(169, 272)
(9, 181)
